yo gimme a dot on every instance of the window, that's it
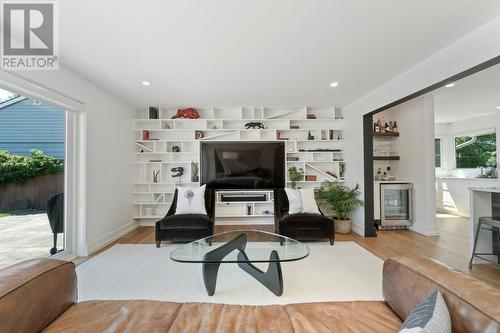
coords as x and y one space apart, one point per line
437 153
475 151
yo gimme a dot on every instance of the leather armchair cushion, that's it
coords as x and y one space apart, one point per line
34 293
304 220
185 222
116 316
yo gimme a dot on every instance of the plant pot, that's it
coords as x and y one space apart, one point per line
195 179
342 226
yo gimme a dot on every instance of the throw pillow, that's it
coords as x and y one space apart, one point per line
190 200
301 201
309 204
430 316
294 201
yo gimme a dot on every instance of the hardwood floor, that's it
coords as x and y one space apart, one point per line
451 247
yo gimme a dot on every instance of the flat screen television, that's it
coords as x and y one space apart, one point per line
242 165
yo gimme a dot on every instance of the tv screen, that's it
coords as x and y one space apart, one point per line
242 165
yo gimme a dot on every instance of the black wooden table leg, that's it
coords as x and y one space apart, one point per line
212 261
272 279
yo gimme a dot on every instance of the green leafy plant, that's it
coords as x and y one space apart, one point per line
342 199
295 175
18 169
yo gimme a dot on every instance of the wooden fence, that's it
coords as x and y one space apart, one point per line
37 190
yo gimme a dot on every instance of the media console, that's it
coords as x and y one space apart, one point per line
244 207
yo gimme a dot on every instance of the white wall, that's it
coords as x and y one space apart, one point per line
473 49
415 146
109 154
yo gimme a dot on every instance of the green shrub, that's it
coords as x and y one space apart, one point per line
18 169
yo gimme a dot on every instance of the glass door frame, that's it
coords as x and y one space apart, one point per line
75 157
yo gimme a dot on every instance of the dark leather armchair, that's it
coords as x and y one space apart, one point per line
186 227
303 226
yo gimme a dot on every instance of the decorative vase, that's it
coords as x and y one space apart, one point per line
195 179
342 226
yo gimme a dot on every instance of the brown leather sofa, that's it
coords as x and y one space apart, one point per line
41 295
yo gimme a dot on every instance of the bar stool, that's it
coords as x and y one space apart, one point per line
491 224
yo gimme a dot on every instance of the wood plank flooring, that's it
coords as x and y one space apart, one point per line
451 247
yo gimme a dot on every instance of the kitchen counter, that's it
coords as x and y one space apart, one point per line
490 189
484 201
466 178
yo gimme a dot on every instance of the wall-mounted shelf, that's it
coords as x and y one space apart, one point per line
386 158
318 157
386 135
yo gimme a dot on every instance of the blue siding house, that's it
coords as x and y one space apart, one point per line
26 124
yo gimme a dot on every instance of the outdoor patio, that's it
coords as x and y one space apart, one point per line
25 237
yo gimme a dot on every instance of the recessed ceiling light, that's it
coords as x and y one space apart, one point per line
145 83
334 84
498 107
449 85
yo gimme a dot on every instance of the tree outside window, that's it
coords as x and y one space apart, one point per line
476 151
437 156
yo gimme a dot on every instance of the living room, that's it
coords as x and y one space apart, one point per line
219 168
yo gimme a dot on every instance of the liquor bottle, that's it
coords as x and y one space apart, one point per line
387 128
376 126
395 128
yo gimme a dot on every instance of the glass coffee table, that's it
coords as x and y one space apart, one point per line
243 247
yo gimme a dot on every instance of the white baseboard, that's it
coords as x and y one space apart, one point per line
452 212
147 224
111 237
358 229
426 230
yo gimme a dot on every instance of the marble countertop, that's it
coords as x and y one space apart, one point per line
490 189
466 178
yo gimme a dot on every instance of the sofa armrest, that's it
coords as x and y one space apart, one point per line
34 293
473 305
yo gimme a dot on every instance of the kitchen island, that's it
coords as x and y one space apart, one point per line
484 201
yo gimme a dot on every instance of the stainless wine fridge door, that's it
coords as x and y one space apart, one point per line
396 204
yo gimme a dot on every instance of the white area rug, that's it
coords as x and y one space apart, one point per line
342 272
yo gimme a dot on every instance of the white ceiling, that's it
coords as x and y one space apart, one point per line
260 52
474 96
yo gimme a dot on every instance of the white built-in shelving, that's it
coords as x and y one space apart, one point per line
314 145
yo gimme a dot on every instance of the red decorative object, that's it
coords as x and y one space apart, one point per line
311 178
145 135
188 113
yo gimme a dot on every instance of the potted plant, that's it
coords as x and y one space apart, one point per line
343 200
295 175
195 169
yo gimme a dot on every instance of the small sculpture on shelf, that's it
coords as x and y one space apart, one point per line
189 113
195 169
156 173
175 149
177 172
254 125
199 135
154 112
